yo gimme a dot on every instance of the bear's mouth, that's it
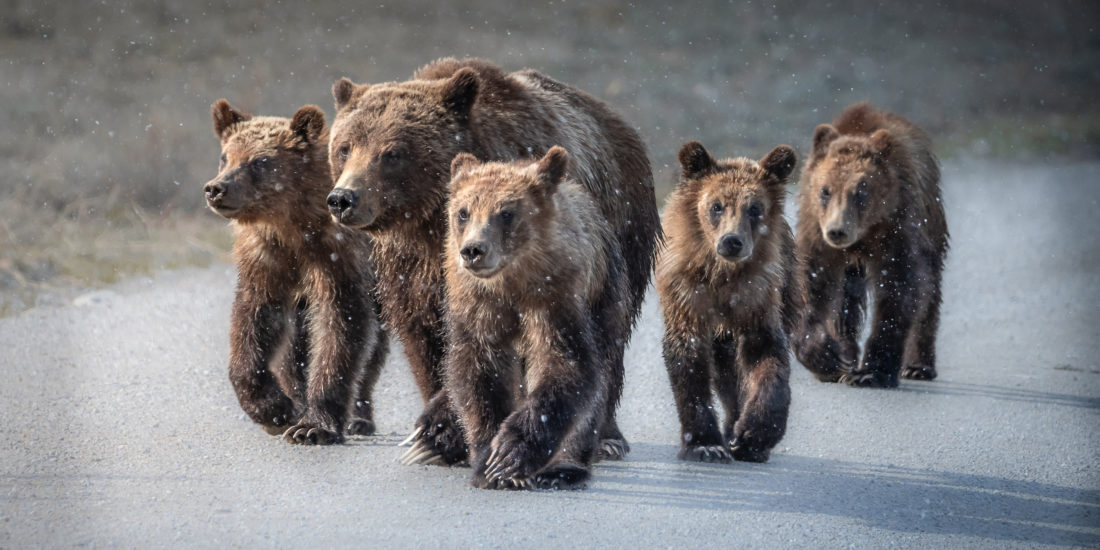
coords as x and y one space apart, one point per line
223 210
482 271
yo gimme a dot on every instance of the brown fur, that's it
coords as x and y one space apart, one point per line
534 281
391 151
306 345
725 281
870 213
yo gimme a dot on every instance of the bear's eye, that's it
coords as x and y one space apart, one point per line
861 193
260 164
463 215
506 216
716 208
755 210
391 157
343 151
825 194
222 163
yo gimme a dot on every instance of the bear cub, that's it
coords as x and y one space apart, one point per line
306 345
534 277
870 216
726 287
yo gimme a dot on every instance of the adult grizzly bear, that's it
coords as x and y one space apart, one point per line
306 345
725 278
392 145
870 213
536 294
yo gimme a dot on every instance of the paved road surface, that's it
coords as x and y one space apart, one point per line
121 428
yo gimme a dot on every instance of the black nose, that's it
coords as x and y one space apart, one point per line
730 245
342 200
837 235
472 252
214 191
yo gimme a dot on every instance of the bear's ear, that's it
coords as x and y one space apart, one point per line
460 92
463 162
780 162
308 123
342 92
824 134
882 142
695 160
551 168
225 116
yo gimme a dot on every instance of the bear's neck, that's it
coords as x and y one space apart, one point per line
411 248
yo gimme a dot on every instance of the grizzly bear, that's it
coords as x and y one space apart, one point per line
870 214
392 145
306 344
534 282
725 279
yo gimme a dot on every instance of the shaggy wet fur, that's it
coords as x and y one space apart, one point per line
871 216
535 283
390 154
306 345
726 285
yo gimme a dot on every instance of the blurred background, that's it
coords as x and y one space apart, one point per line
106 139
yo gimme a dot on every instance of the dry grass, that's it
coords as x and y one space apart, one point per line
107 137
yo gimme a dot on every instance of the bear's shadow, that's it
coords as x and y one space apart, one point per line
886 497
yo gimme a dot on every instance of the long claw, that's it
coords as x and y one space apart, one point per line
436 460
412 437
408 459
422 457
413 451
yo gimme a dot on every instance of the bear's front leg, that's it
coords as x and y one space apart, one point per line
565 373
437 437
764 371
895 307
688 357
337 328
481 378
814 345
259 332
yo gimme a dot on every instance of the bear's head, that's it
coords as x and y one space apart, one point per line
497 209
391 147
269 165
851 184
735 200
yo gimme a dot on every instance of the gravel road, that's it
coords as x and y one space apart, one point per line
123 430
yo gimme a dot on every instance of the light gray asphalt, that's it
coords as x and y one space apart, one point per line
121 428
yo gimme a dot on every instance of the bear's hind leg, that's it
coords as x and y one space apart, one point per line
361 408
920 349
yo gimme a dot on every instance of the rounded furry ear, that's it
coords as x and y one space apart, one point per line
342 90
780 162
824 134
460 92
695 160
463 162
308 122
882 142
552 167
225 116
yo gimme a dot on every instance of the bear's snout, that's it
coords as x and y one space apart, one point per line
478 259
839 236
473 253
214 192
732 247
341 200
